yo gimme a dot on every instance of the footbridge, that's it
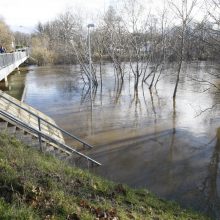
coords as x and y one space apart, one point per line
10 61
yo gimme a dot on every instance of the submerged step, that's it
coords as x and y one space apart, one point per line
3 125
37 129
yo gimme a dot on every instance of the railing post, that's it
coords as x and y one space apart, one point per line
87 163
3 58
39 134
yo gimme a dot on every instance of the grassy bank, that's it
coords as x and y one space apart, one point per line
34 186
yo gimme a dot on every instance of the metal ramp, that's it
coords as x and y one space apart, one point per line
38 130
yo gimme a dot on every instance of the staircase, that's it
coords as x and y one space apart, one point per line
37 130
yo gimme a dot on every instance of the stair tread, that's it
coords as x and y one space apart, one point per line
11 130
19 128
3 125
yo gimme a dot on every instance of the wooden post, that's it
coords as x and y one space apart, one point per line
39 135
218 134
6 81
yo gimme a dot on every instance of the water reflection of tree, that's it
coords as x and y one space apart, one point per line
118 90
145 101
153 105
136 103
210 183
84 94
173 134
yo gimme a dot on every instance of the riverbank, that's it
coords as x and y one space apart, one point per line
37 186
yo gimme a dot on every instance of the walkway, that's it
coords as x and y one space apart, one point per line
40 131
10 61
28 118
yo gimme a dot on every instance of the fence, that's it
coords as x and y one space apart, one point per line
7 59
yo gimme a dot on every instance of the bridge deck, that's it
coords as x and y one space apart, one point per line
10 61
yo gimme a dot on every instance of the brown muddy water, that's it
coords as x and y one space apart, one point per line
141 139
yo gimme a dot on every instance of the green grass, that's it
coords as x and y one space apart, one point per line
37 186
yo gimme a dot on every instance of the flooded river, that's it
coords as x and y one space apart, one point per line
141 139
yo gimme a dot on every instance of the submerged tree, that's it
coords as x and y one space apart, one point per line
133 39
133 10
183 13
115 41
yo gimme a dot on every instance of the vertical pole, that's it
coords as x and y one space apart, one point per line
90 64
39 135
87 164
6 81
90 68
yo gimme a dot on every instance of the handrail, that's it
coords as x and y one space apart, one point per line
43 135
7 59
41 119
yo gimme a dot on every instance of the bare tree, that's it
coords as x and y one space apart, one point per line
183 12
22 39
115 41
6 35
137 41
40 51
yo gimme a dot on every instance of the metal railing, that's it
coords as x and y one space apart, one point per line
40 120
7 59
38 133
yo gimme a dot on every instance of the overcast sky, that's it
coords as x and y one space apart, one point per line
25 14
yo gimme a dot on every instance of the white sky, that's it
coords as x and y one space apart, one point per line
23 15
